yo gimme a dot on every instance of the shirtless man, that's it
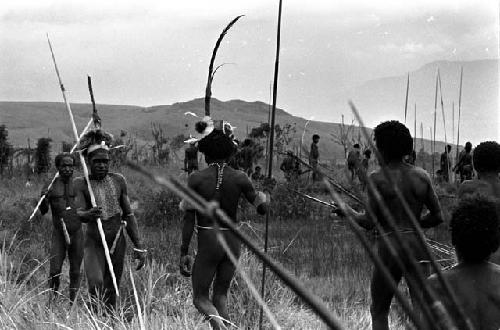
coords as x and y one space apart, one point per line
353 160
464 165
475 281
113 208
221 183
67 234
486 160
393 141
314 157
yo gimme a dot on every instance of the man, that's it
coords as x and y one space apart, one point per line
113 208
67 234
474 281
191 158
290 167
486 159
445 164
353 159
464 165
257 176
224 185
393 141
314 156
363 169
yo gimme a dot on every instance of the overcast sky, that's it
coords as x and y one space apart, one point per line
157 52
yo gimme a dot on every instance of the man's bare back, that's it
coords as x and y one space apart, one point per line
477 288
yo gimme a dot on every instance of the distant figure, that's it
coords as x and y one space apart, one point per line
314 156
486 159
411 158
363 169
245 156
474 281
353 160
290 167
67 233
191 158
257 174
445 164
464 165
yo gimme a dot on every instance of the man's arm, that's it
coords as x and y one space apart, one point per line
128 215
188 220
257 199
435 215
44 206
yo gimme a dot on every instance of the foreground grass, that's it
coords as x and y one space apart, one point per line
304 237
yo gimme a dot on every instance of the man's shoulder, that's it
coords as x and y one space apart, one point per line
79 182
117 176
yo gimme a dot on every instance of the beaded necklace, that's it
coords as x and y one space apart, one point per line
220 174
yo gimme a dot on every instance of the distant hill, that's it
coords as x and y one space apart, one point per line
377 100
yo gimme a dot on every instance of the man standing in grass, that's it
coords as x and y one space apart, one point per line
67 234
475 281
225 185
314 156
464 165
393 141
445 164
353 160
113 208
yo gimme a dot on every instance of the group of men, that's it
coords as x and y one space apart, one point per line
463 167
71 205
474 225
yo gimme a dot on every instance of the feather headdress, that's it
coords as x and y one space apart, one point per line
95 139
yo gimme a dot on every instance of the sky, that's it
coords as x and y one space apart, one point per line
157 52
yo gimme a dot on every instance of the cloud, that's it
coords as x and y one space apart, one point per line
411 48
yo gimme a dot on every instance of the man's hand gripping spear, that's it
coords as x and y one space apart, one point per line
97 123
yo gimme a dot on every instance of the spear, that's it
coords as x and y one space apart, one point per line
271 148
85 172
444 126
415 132
407 90
432 152
459 108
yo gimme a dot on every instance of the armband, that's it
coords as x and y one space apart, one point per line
140 250
260 199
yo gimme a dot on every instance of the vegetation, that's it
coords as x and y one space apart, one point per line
310 242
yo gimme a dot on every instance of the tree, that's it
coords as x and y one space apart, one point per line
5 148
344 137
42 155
160 149
284 135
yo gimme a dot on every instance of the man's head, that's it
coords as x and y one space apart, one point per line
448 148
99 162
315 138
468 146
474 229
486 157
393 140
356 146
367 153
64 164
216 146
257 169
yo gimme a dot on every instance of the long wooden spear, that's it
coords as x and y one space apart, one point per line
271 153
444 127
415 133
85 173
407 91
459 108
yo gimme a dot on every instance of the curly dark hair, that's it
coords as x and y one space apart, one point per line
315 137
486 157
216 145
61 156
393 140
474 228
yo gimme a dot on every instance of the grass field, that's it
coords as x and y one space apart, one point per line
312 244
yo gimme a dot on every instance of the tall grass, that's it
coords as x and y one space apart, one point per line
304 237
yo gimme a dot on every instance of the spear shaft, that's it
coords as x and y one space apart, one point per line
271 149
459 108
407 90
86 174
